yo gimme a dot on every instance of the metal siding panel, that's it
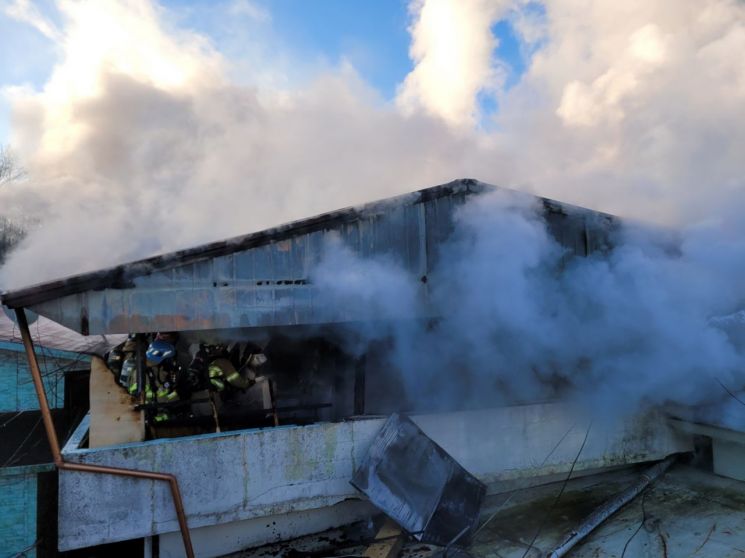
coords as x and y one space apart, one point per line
245 304
98 311
314 250
202 306
416 240
203 272
438 217
158 279
364 242
281 260
298 256
264 306
284 305
384 242
263 263
353 234
183 275
259 286
222 270
244 266
391 235
305 311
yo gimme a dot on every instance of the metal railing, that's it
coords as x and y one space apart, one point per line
61 464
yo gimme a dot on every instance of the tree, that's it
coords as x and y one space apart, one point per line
10 170
11 232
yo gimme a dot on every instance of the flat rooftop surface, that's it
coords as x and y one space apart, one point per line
688 512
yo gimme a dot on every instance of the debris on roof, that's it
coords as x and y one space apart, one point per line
687 512
419 485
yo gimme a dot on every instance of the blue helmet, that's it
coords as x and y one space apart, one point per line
159 351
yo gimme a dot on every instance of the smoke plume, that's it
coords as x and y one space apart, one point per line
514 319
145 139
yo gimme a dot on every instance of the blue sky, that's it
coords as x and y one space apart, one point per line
26 58
371 35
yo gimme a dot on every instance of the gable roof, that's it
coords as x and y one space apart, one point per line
261 279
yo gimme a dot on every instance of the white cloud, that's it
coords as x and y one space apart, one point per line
635 108
251 10
452 49
585 104
27 12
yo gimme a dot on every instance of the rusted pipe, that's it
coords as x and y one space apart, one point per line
59 461
612 506
33 364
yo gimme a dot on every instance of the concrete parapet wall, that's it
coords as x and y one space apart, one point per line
249 474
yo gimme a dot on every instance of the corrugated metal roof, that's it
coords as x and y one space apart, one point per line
262 279
54 337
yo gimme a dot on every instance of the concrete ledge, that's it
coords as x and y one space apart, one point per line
728 447
218 540
237 476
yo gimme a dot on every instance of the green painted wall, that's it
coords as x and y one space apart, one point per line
19 485
16 388
18 494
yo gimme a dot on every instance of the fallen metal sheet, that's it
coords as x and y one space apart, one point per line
416 483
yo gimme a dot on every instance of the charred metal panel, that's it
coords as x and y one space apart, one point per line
413 480
264 279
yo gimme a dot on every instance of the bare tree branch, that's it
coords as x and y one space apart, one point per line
11 232
10 170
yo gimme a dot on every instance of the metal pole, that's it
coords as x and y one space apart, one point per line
41 394
84 467
611 506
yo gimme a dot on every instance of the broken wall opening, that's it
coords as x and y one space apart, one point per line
285 376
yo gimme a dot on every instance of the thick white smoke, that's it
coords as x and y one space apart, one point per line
141 142
515 320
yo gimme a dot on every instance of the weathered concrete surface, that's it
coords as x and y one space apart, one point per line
218 540
686 513
258 473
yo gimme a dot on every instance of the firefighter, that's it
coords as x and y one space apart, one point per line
115 360
128 375
221 372
196 373
161 359
122 362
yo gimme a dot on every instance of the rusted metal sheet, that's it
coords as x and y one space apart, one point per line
419 485
263 279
